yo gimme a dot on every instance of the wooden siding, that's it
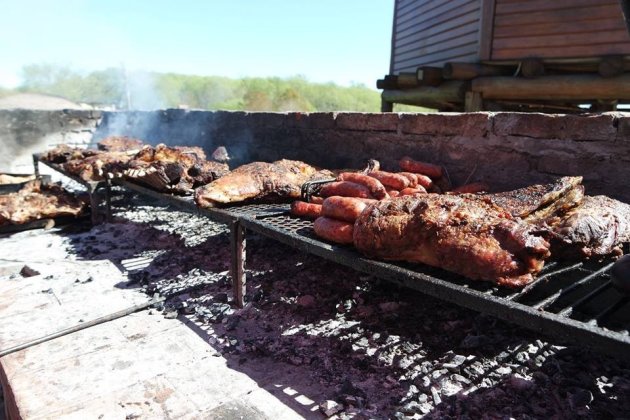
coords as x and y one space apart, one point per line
558 29
433 32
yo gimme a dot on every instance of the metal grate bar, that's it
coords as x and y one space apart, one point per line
569 310
562 292
539 281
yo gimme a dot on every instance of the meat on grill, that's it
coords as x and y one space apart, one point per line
282 179
36 201
119 144
174 169
597 227
526 201
94 167
464 234
64 153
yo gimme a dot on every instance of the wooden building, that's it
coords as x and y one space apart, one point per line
508 54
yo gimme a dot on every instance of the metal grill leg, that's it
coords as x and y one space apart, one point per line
36 166
94 201
237 267
108 201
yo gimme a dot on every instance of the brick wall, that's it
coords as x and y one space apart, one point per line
507 150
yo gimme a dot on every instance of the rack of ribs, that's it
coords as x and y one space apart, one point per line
279 180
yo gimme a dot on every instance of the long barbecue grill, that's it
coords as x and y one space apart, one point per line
574 302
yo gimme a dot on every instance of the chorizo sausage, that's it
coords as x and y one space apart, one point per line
392 180
393 193
374 185
308 210
334 230
345 189
413 178
315 199
343 208
410 165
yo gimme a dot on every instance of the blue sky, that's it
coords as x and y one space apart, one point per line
343 41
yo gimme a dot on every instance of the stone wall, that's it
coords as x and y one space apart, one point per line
506 150
24 132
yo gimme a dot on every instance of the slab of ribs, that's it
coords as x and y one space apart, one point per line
282 179
504 238
36 201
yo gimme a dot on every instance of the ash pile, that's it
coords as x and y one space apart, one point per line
345 345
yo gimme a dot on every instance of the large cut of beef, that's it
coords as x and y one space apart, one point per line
597 227
87 164
174 169
279 180
465 234
36 201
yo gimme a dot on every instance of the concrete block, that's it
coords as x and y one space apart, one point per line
368 121
597 127
472 125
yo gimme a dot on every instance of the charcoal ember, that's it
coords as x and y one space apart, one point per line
330 407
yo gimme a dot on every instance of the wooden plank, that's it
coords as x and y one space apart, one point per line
563 40
466 58
454 18
465 34
440 56
406 6
428 8
561 52
577 26
486 29
546 5
444 46
437 34
564 15
445 9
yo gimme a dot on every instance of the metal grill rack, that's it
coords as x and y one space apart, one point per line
93 187
573 302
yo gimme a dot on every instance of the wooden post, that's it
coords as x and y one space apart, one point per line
611 66
582 87
448 92
469 71
429 76
473 102
237 262
532 67
386 106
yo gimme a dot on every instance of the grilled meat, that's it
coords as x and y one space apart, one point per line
15 179
94 167
597 227
174 169
259 180
36 201
64 153
119 144
526 201
464 234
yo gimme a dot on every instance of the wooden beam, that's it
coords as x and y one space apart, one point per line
469 71
448 92
473 102
582 87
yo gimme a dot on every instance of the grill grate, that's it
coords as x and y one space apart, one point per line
571 301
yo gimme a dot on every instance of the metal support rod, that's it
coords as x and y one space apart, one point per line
82 326
237 263
93 203
36 165
108 200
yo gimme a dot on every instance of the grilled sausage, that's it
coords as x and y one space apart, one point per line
410 165
374 185
413 178
393 193
334 230
471 188
413 191
345 189
392 180
308 210
343 208
315 199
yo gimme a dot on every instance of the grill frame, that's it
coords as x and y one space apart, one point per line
275 222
